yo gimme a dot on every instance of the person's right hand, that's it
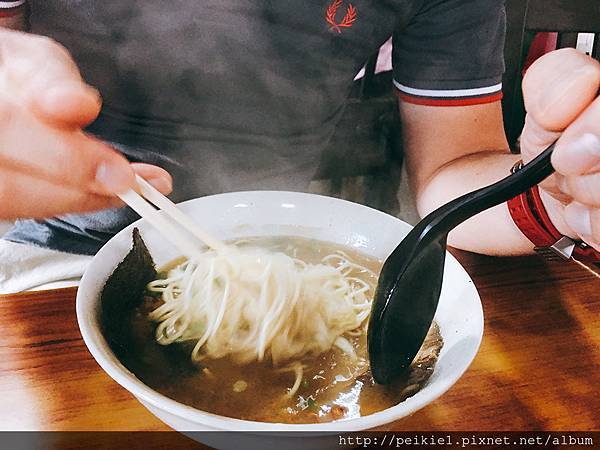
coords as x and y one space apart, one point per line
561 97
48 165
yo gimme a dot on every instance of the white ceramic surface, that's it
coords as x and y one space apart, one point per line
243 214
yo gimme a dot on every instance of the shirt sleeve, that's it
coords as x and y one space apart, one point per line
10 4
11 8
451 53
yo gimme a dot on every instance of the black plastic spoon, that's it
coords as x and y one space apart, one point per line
410 282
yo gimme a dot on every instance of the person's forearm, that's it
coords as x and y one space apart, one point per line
492 232
454 150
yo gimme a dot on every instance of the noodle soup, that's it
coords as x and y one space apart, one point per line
317 387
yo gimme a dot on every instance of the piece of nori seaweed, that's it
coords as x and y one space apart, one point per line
123 293
133 341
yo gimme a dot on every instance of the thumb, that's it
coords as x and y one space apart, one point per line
556 89
559 86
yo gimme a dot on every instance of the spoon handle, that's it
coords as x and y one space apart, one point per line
457 211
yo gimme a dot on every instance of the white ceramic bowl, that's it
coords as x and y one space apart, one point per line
264 213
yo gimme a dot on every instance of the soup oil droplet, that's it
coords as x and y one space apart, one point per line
240 386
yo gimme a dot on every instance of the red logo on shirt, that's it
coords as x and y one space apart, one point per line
346 22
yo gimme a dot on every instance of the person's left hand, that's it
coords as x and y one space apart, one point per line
560 91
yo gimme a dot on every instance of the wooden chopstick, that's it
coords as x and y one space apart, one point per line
159 221
171 209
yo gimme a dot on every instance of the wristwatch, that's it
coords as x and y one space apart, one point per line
530 216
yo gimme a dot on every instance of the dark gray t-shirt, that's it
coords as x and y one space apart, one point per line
237 94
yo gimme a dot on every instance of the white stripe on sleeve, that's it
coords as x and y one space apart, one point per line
451 93
8 5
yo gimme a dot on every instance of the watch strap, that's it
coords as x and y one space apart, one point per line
530 216
524 217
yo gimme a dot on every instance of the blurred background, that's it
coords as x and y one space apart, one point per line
363 162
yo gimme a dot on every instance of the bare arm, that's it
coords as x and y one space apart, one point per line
454 150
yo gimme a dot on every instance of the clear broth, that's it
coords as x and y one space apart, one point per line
333 387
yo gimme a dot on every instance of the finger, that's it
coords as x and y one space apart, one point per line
583 188
578 150
72 104
39 73
156 176
71 158
23 196
554 189
535 138
559 86
584 221
595 238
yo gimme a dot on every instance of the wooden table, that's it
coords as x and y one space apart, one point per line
538 367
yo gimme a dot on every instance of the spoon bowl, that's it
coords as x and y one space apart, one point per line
422 274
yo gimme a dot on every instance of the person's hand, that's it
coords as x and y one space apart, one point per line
48 165
561 97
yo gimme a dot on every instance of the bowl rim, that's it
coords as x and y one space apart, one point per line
119 373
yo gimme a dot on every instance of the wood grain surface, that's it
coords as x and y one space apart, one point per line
538 367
